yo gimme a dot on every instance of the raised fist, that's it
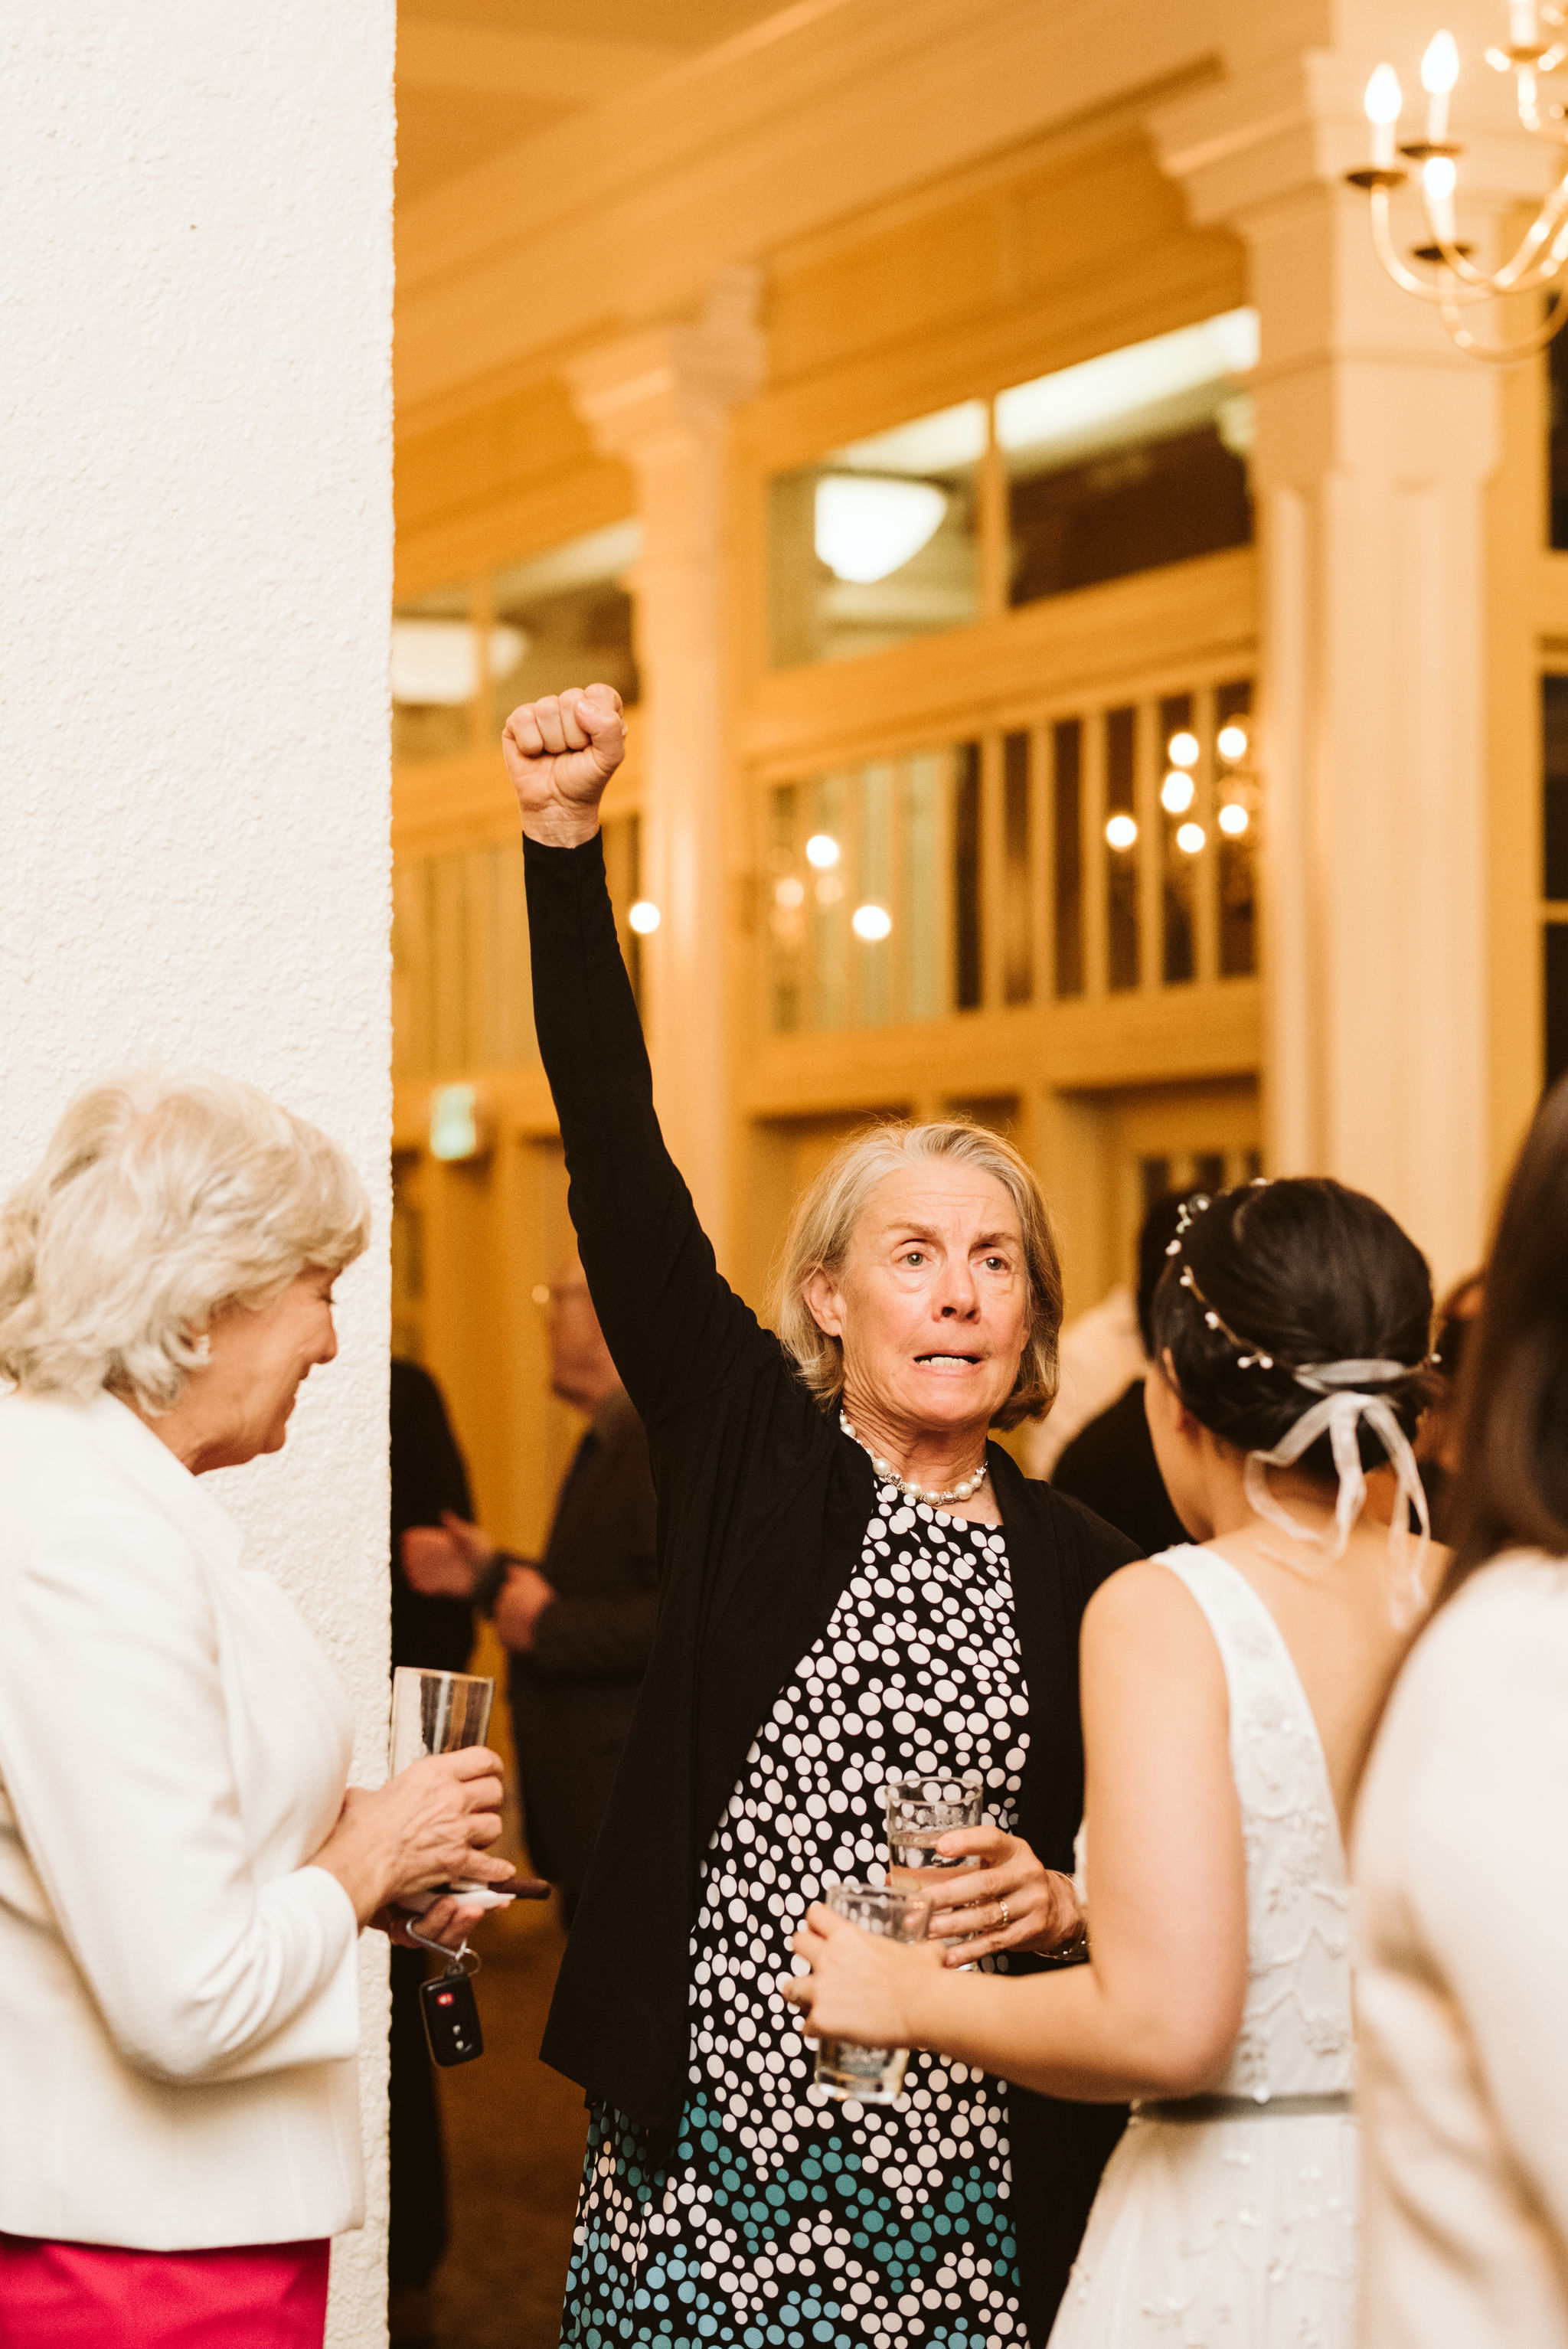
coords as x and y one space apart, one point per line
561 752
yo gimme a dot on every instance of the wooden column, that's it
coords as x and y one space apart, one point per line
661 400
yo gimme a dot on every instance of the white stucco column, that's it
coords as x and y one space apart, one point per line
194 805
661 400
1375 441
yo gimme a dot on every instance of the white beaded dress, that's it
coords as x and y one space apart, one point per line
1238 2231
776 2218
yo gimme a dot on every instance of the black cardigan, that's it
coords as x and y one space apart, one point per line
763 1507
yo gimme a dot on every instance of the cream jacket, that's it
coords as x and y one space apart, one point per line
179 2014
1461 1872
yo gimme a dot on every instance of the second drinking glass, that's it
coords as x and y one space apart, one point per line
920 1810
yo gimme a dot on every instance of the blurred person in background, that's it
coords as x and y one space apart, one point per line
1437 1445
428 1479
579 1622
1112 1466
1461 1849
184 1868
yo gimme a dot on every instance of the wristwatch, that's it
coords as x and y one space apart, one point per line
490 1579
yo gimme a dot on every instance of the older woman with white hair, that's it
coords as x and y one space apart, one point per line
184 1869
855 1584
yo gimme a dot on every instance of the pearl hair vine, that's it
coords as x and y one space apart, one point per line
1341 1404
1186 1216
1319 1378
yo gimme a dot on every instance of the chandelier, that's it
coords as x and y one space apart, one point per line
1449 279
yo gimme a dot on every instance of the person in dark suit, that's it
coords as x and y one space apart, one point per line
580 1622
436 1633
1110 1465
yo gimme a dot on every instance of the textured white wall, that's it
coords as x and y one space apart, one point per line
195 518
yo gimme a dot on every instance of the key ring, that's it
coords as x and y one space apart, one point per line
454 1958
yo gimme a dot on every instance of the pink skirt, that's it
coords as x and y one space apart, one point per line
71 2295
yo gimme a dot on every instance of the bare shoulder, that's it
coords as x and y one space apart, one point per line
1145 1614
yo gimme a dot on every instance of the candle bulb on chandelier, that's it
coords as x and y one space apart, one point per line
1384 103
1439 72
1521 26
1438 179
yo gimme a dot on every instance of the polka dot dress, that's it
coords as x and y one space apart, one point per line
776 2218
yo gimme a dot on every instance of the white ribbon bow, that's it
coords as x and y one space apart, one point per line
1339 1414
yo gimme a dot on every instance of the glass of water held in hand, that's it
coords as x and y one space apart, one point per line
436 1712
872 2076
921 1810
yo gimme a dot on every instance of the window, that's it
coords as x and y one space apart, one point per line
462 993
1557 440
872 877
1067 751
434 676
956 879
1123 463
1131 460
464 656
564 618
879 542
1554 870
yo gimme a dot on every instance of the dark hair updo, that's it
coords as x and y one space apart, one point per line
1283 1275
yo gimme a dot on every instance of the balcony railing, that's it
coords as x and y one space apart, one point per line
1094 853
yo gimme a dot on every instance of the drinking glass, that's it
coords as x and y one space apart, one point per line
872 2076
920 1810
437 1712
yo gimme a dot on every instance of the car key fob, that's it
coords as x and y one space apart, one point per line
451 2019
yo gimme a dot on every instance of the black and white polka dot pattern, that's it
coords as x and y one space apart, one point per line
779 2218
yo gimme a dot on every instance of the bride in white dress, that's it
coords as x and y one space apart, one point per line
1229 1693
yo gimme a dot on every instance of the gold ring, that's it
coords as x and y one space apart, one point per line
1006 1920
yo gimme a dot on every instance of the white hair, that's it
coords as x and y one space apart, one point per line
159 1199
824 1224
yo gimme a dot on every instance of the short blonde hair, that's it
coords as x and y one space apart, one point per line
824 1224
159 1199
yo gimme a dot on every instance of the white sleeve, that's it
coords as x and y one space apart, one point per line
1487 1865
115 1748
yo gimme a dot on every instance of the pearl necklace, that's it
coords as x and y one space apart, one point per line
964 1490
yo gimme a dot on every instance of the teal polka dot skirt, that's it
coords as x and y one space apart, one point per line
774 2218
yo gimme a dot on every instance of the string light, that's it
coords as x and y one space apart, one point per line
643 917
1190 838
1182 749
1176 792
1121 832
822 851
870 922
1232 819
1232 743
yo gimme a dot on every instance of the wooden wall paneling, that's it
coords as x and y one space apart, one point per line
1191 617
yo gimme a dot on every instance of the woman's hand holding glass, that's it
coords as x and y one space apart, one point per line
862 1987
1010 1902
430 1824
